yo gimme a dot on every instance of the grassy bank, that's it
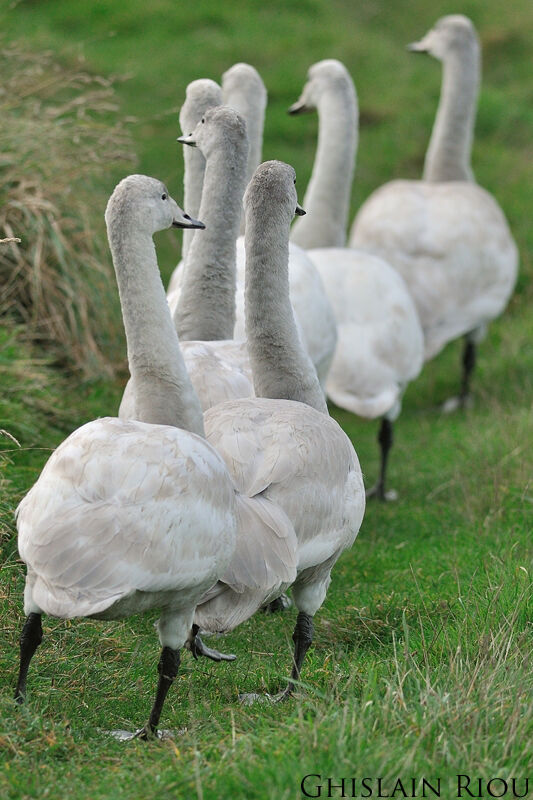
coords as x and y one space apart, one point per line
420 664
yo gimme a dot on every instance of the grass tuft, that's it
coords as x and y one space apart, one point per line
60 134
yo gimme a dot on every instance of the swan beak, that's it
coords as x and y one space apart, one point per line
299 210
185 221
299 108
417 47
187 140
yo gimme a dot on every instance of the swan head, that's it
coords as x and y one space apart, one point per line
242 86
450 35
143 205
271 193
220 128
323 78
199 96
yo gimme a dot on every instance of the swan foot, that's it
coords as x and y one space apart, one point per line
453 404
198 648
378 492
281 603
251 698
144 734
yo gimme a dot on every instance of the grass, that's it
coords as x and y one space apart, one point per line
422 658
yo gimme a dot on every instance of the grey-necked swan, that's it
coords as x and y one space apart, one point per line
380 341
445 234
129 515
281 446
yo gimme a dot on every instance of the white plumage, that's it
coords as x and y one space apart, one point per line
452 245
127 516
380 342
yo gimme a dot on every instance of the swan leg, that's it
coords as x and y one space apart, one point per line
281 603
468 362
385 439
302 638
168 669
30 639
198 648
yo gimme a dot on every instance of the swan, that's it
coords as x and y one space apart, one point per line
129 515
204 303
380 340
281 446
446 235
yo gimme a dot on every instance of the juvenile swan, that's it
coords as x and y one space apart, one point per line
445 234
132 515
380 341
287 451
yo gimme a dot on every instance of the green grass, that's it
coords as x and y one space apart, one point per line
422 659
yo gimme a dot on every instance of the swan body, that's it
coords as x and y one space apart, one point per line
124 517
281 446
302 462
445 234
380 343
452 245
132 514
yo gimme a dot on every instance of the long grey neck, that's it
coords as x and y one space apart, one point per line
254 114
327 199
280 366
162 389
193 171
193 179
448 157
206 307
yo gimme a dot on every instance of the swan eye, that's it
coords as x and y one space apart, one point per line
163 196
203 120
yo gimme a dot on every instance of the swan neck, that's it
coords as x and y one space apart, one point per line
281 367
450 148
206 307
163 393
253 111
327 199
193 180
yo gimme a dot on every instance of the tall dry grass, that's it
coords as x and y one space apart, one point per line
61 135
